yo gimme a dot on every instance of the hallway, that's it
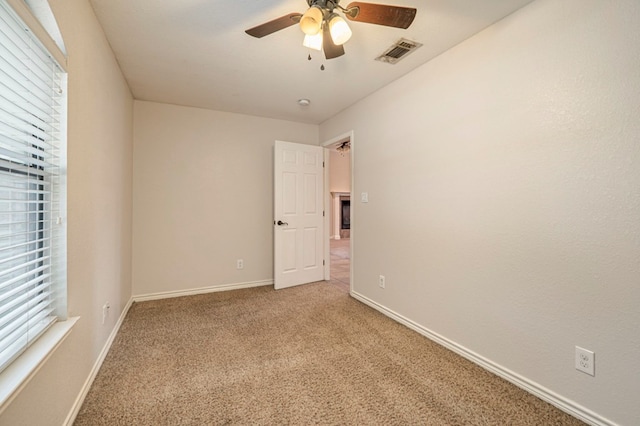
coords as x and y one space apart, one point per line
340 263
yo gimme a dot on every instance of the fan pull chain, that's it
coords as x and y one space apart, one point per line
309 58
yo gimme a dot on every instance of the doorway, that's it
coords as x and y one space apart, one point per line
338 188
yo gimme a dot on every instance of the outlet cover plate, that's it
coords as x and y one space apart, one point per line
585 361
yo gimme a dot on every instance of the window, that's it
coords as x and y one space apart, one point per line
32 187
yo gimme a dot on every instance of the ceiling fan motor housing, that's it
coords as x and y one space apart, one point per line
325 4
329 5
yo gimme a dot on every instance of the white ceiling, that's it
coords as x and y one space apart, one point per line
196 53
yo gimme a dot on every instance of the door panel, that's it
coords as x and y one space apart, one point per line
310 194
310 254
289 250
289 193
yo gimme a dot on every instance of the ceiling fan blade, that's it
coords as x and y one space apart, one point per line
381 14
275 25
331 50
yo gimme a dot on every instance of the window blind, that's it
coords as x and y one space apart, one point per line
32 107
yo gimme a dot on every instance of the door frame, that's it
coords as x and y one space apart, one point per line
328 204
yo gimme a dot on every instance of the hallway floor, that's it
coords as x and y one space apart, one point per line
340 263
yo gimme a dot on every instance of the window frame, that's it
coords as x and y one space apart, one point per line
25 364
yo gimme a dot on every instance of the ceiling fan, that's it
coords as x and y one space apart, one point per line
325 30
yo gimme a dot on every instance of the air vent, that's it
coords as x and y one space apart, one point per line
398 51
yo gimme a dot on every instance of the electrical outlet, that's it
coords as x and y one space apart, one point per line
381 281
585 361
105 312
239 264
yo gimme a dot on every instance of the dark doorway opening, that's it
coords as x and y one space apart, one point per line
345 214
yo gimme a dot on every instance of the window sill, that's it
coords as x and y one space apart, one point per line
17 375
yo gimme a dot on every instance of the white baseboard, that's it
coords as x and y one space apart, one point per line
536 389
201 290
75 408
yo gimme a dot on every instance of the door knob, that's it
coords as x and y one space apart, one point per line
280 223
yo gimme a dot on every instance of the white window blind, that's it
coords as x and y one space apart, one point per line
32 245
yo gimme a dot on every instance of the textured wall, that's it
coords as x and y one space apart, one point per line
203 185
503 181
100 148
340 172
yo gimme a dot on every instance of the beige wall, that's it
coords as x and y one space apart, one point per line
203 185
99 215
504 211
339 172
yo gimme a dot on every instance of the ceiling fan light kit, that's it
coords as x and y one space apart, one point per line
339 30
311 21
344 147
325 29
313 41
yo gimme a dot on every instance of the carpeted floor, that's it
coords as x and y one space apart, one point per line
305 355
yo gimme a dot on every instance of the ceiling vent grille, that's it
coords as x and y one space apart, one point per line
398 51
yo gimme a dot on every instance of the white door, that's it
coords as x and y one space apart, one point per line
298 214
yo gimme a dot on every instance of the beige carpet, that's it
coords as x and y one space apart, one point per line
306 355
